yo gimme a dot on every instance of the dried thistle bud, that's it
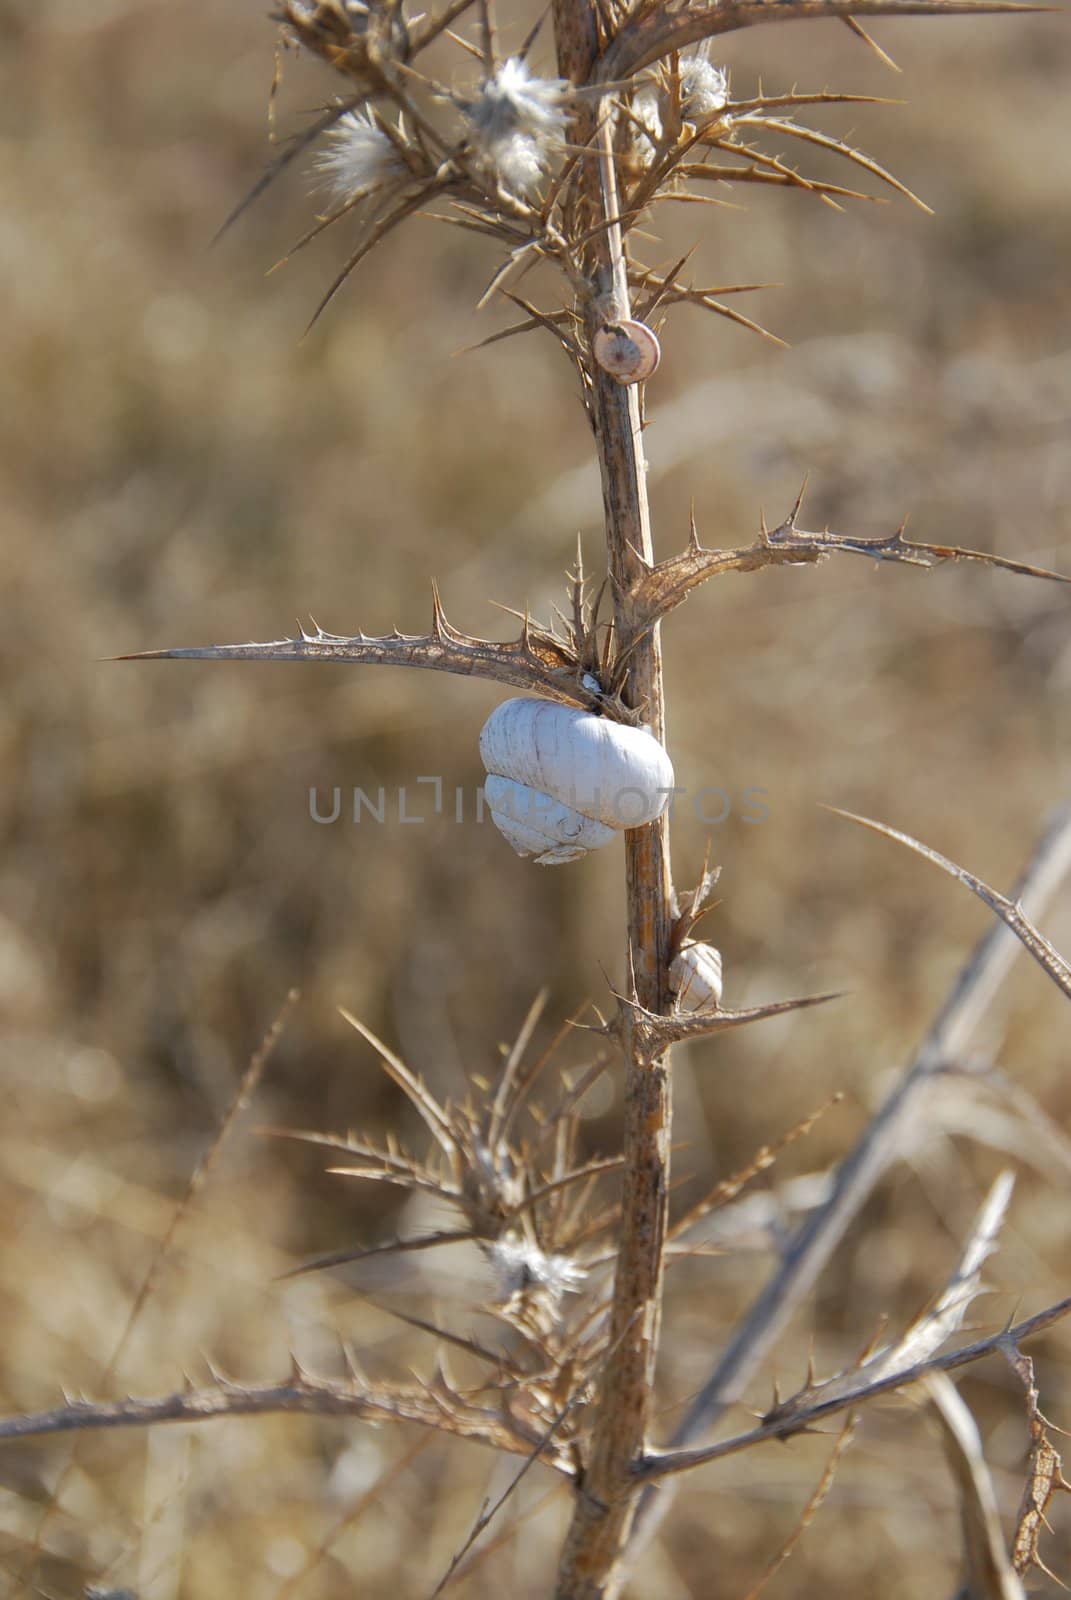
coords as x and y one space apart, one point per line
358 158
628 350
517 123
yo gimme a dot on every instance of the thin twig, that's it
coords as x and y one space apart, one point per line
664 1464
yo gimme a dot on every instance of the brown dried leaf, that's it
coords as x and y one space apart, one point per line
1045 1476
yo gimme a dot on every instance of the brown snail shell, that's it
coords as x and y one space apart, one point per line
628 350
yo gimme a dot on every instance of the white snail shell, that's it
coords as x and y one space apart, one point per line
628 350
563 782
538 825
695 977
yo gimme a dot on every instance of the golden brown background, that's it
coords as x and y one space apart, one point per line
178 465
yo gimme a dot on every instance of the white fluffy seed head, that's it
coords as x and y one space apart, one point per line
518 122
645 128
520 1265
358 157
704 87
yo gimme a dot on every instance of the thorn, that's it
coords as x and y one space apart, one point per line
693 531
353 1368
1013 1317
861 33
218 1378
794 513
438 616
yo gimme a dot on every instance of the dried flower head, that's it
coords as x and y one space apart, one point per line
358 158
518 122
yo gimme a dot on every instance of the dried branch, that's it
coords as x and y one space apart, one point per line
990 1574
441 1407
658 1466
434 1405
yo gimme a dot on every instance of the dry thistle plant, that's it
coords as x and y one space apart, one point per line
567 166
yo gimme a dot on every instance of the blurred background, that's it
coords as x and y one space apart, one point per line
179 465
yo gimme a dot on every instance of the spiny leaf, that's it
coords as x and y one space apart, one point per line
661 588
1009 911
341 1258
651 1035
658 29
538 661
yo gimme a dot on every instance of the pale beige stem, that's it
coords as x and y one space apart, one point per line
607 1498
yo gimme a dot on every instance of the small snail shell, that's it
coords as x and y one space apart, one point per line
695 977
562 781
629 351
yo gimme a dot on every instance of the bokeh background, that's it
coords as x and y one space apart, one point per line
178 464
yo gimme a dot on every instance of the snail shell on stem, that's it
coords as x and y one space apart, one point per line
695 977
563 782
628 350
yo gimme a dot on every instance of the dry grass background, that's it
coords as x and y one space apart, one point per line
178 466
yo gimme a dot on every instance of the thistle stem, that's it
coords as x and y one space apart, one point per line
592 1560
